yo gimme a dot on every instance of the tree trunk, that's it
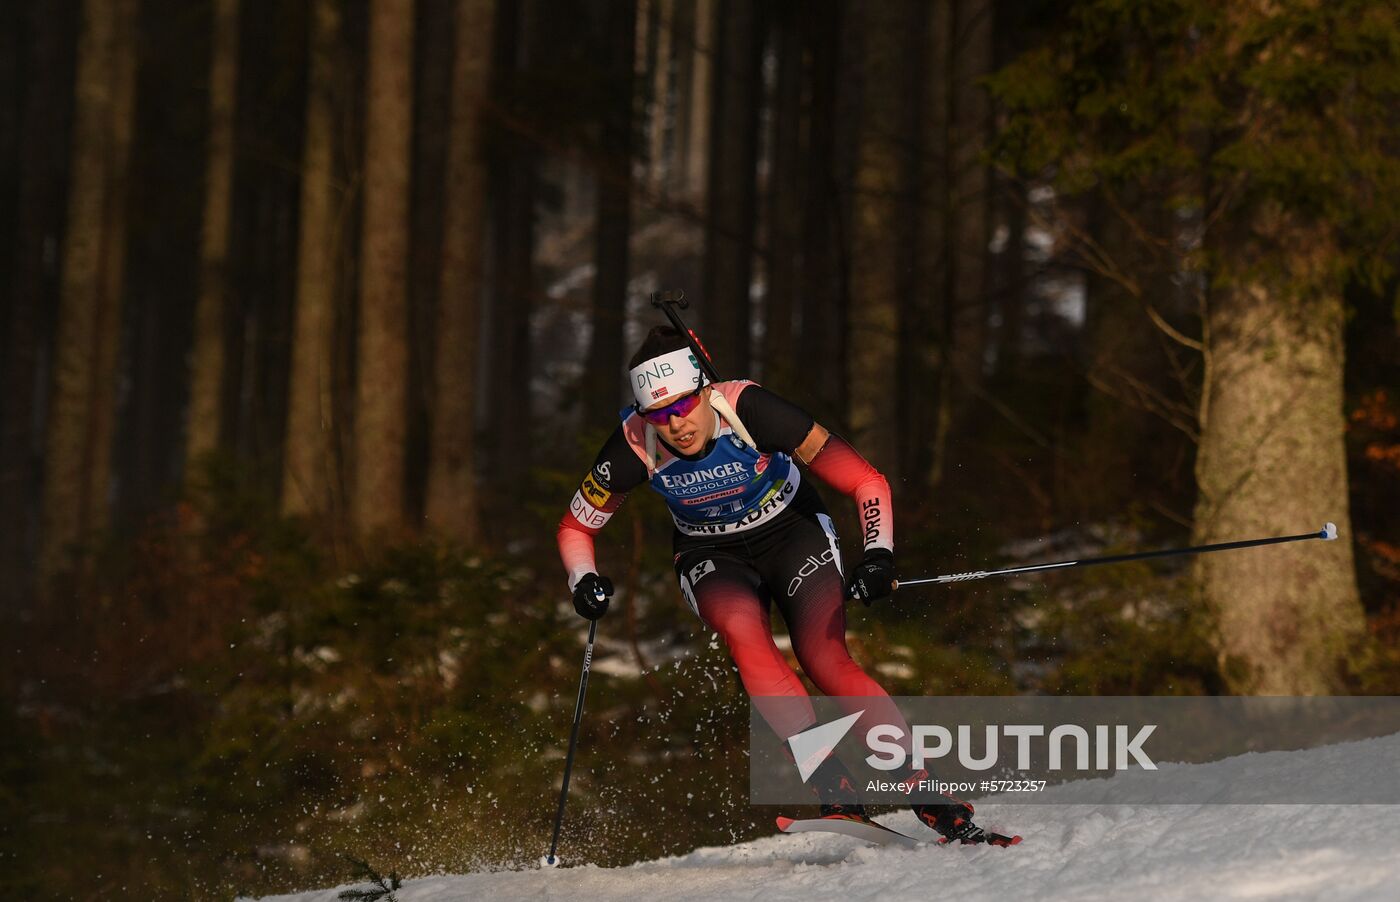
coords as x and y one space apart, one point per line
729 229
168 203
514 162
821 292
951 305
79 430
207 362
309 464
658 164
970 121
1009 279
452 506
642 31
702 84
604 383
432 99
928 343
683 52
878 233
511 401
1272 462
381 389
263 267
785 199
12 33
44 126
103 414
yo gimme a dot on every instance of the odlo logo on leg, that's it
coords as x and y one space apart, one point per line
810 566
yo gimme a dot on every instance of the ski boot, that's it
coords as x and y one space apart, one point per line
836 792
953 823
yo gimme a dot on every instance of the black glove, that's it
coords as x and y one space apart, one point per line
874 578
591 596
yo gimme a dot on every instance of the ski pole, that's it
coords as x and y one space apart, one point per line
573 739
1328 532
667 302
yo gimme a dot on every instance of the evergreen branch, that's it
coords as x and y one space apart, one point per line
382 889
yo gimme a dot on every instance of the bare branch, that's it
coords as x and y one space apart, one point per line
1147 399
1169 331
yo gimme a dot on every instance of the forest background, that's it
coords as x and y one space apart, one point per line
314 313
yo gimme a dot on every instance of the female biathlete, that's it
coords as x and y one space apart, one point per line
750 530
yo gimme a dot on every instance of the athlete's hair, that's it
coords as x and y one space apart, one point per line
660 340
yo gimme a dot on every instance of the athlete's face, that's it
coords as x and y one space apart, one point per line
689 433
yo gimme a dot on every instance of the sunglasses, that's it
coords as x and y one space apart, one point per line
680 407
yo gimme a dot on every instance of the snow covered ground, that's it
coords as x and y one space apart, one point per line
1076 852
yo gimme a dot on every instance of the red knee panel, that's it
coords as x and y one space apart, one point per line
733 609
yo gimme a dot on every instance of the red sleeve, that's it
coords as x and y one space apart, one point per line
841 467
616 471
575 549
591 507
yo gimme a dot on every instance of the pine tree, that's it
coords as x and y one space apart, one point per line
879 228
308 459
83 400
733 191
1272 127
452 501
207 359
381 888
381 389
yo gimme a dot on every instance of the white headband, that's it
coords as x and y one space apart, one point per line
673 373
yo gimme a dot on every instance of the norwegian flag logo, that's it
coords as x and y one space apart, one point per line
663 390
